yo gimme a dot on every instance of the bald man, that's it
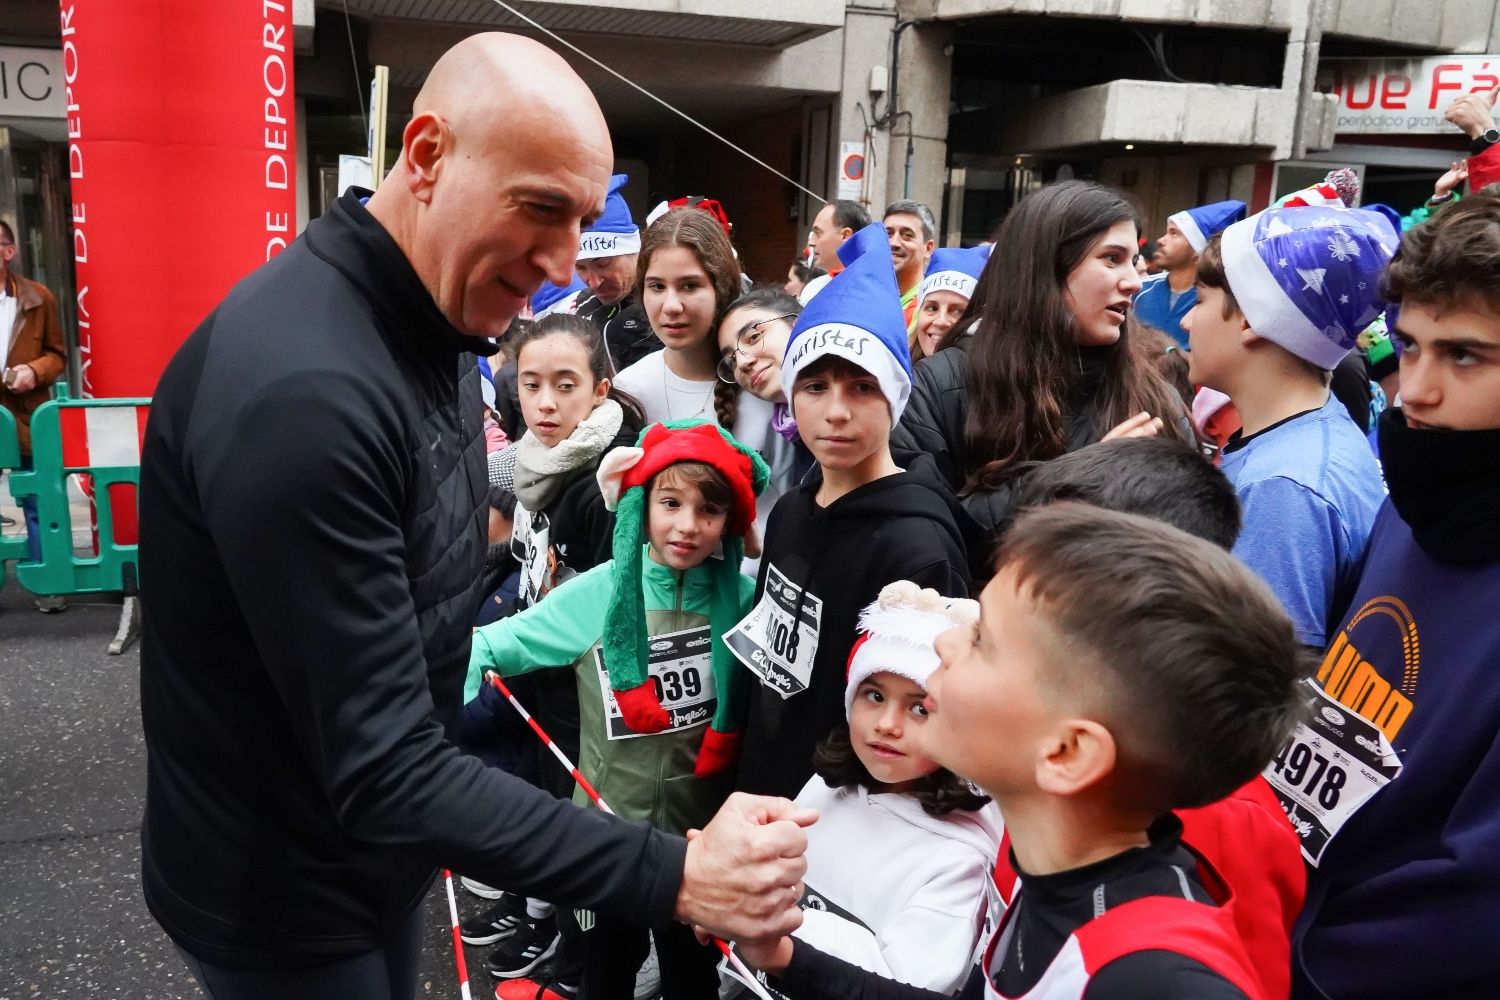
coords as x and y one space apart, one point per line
312 545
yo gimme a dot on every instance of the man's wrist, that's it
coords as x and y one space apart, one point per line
1483 139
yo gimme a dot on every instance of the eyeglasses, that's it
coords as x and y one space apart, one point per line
749 344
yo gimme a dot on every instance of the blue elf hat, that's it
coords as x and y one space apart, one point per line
1307 278
857 317
954 270
550 295
614 233
1200 224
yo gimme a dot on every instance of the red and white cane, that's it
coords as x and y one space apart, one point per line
739 967
458 944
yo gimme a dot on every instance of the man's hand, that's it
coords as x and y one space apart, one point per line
742 880
22 379
1474 113
1456 175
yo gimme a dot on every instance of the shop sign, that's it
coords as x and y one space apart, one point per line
31 82
1404 96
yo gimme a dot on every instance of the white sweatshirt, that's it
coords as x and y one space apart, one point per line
894 890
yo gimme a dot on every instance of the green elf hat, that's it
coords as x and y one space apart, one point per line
623 476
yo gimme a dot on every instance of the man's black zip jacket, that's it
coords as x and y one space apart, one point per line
312 544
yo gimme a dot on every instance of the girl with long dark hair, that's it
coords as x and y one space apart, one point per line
1050 367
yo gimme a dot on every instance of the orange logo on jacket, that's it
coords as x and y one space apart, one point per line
1356 683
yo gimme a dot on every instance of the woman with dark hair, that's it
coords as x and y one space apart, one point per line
752 339
1051 367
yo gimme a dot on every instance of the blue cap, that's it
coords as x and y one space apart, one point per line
614 233
954 270
1200 224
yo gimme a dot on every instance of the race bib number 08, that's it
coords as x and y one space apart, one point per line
681 671
778 640
1330 767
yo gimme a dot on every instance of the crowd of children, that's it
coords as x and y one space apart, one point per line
1207 731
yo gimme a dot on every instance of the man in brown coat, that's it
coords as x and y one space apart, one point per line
35 358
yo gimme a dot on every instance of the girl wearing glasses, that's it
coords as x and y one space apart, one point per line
752 340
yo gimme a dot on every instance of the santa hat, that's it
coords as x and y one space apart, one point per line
897 633
952 269
698 201
857 318
1306 278
614 233
1322 194
550 296
623 476
1200 224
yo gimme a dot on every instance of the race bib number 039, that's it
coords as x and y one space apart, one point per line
681 671
778 640
1332 765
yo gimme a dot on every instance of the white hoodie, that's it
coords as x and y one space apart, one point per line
894 890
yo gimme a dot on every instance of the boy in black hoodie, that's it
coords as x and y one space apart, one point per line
857 522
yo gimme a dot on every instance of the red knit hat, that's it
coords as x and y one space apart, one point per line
662 446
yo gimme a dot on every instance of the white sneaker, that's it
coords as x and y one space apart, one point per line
480 889
648 980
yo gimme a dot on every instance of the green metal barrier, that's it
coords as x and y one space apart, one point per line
12 546
100 439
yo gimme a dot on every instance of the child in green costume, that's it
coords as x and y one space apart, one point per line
661 700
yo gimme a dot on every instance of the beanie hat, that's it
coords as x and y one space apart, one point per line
1344 180
550 295
614 233
897 632
857 318
954 270
1306 278
623 476
1320 194
1200 224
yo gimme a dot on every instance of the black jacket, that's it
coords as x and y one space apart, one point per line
627 333
901 527
312 539
933 422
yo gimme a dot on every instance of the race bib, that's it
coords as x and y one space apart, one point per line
1332 765
779 639
680 667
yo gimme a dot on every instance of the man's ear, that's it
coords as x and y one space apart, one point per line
424 143
1080 754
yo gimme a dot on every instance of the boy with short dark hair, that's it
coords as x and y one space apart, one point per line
857 522
1135 670
1404 847
1282 297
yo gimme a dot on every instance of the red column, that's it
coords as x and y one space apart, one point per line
180 117
181 126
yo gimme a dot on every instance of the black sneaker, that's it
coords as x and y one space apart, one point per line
496 923
530 946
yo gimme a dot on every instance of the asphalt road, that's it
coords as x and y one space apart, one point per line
73 923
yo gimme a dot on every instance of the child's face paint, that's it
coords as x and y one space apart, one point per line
1450 367
887 710
683 528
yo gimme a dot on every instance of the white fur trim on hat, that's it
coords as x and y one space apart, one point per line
947 281
1188 227
592 246
611 473
1268 309
859 347
902 624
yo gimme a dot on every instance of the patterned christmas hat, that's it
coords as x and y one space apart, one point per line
624 476
1199 225
1306 278
897 631
858 318
614 233
953 269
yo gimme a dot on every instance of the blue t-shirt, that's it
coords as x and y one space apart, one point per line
1157 305
1309 490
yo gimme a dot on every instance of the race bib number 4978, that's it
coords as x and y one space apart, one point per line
778 640
1330 767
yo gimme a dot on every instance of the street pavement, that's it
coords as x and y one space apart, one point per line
73 923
